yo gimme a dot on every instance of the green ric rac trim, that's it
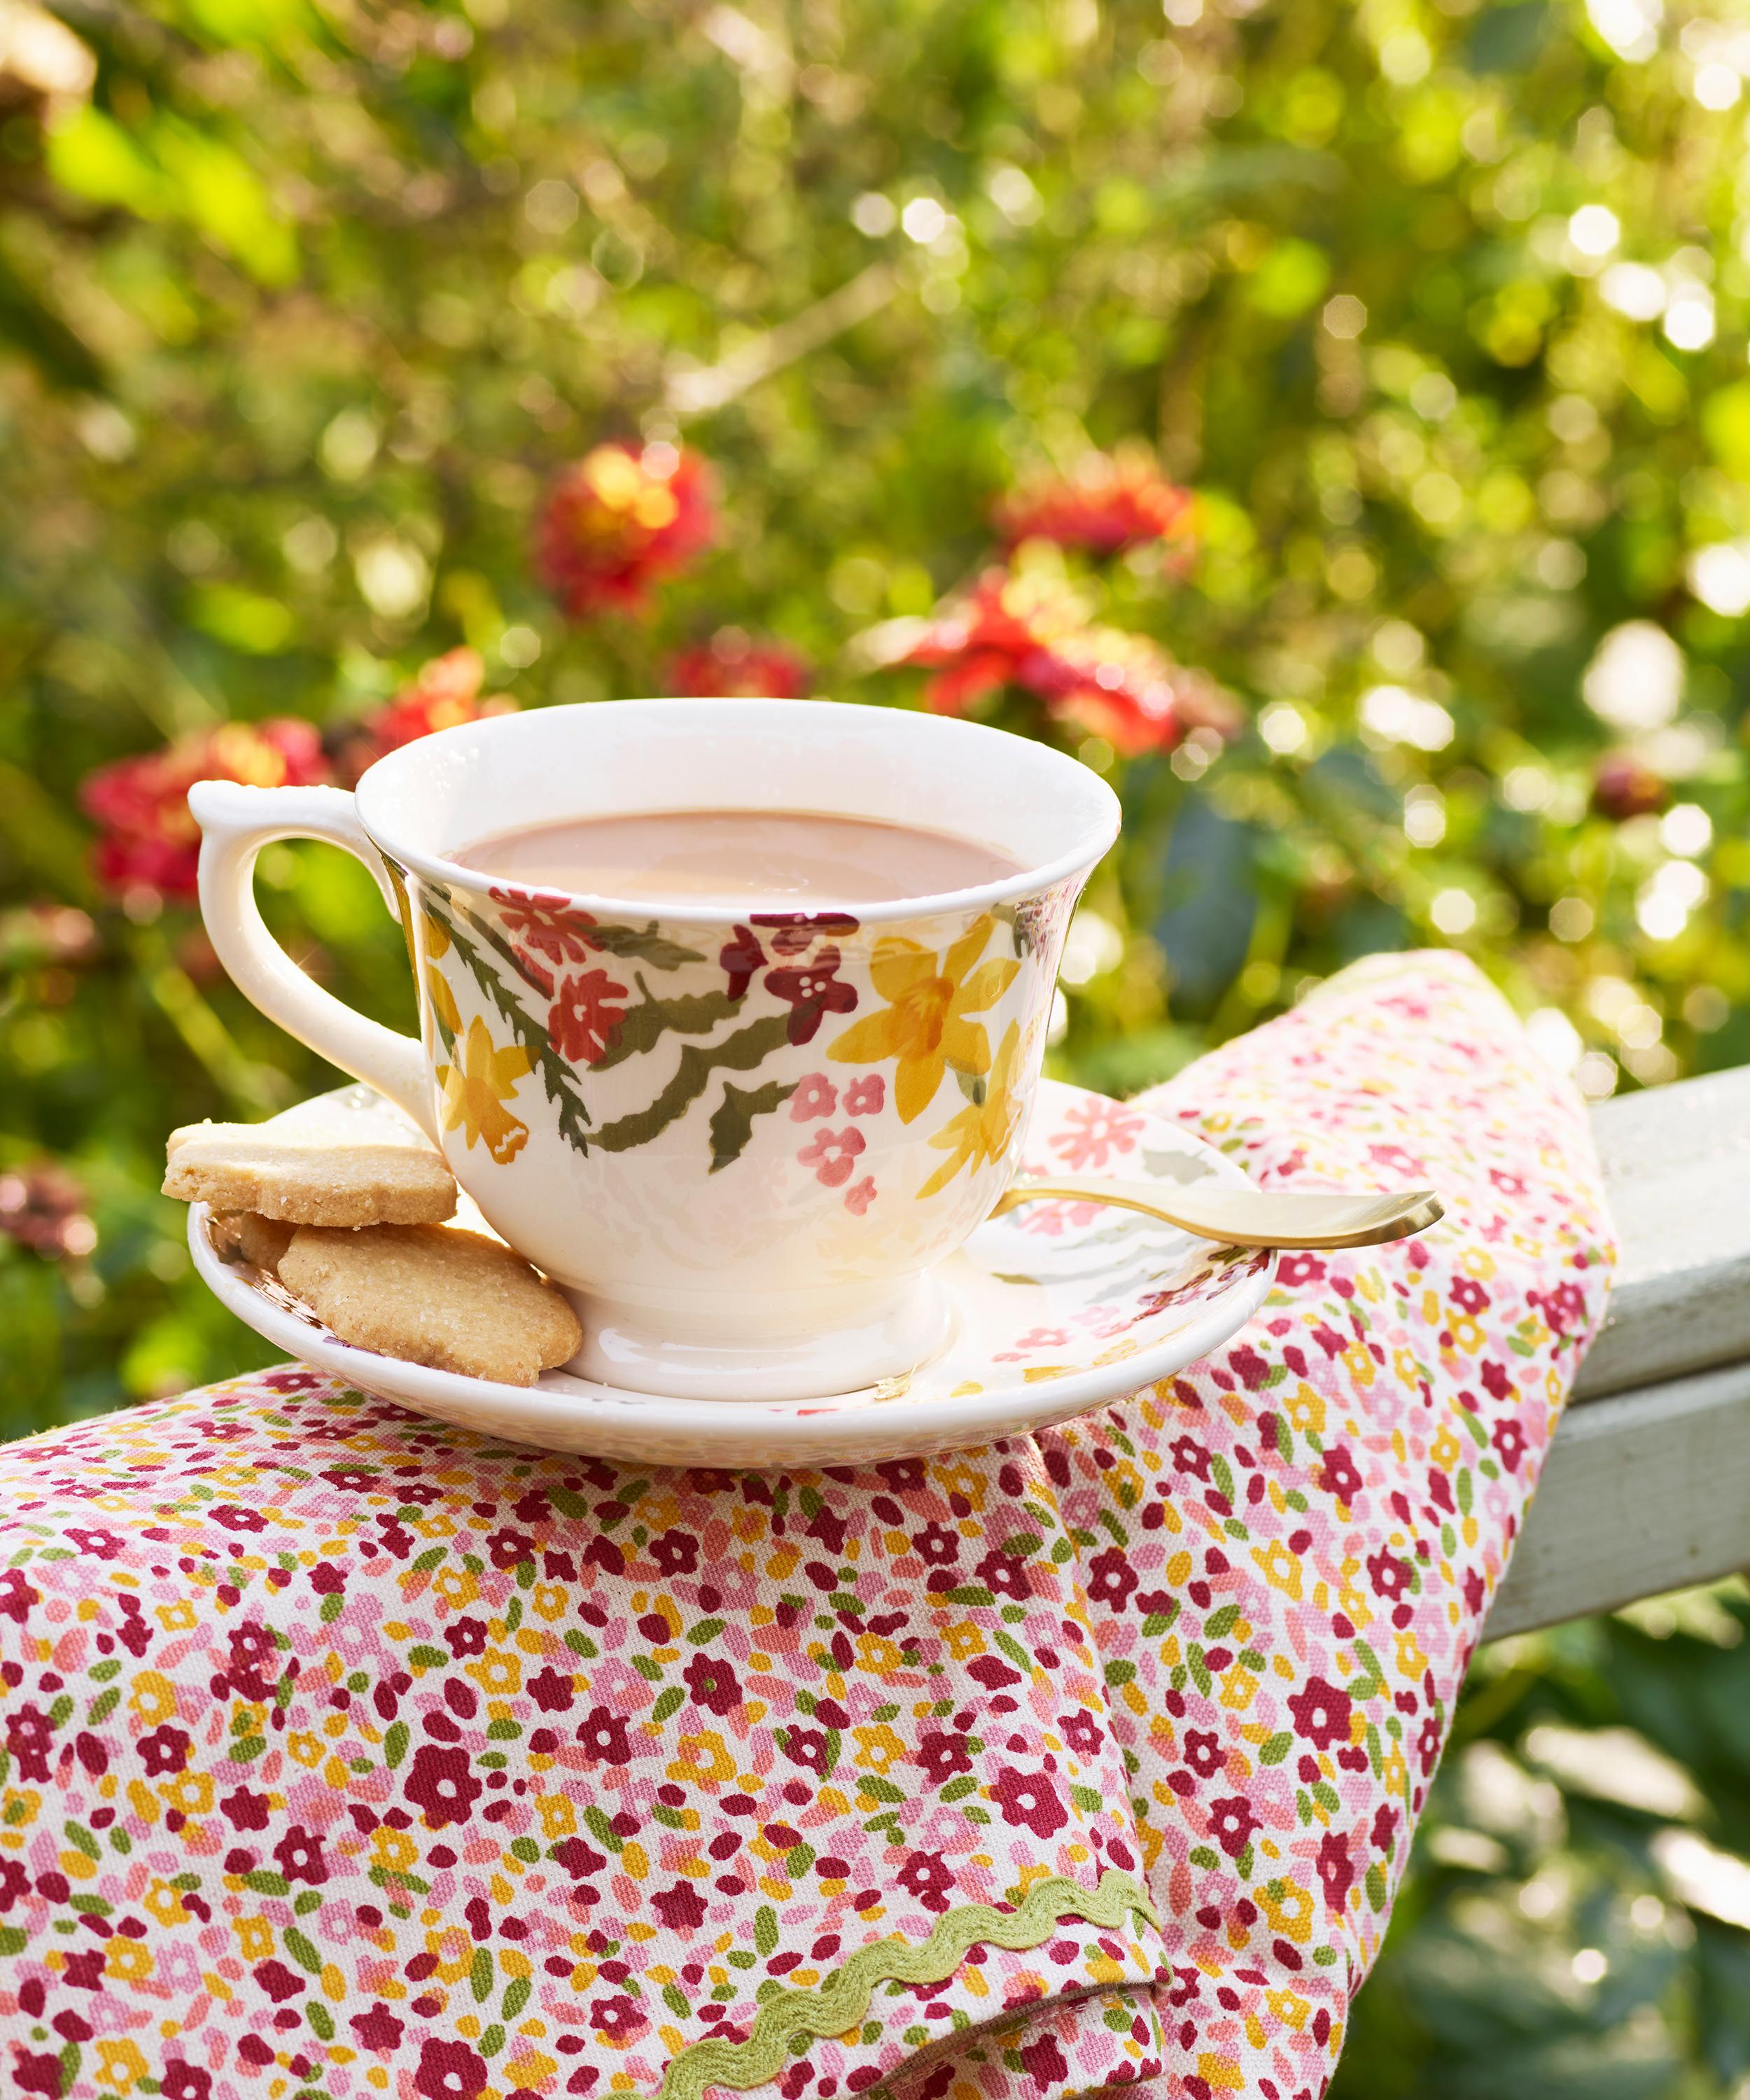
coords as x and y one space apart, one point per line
844 2001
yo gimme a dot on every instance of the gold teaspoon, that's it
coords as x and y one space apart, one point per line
1245 1217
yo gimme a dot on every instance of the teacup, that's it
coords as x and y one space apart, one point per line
744 1142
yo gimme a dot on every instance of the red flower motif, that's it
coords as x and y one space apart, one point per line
378 2028
585 1015
148 839
444 692
551 1690
928 1876
675 1553
832 1153
300 1855
617 521
1508 1439
936 1545
1232 1823
548 922
867 1096
740 960
858 1200
603 1735
732 666
712 1682
1340 1475
942 1753
1336 1870
1082 1732
810 991
1322 1713
449 2071
1106 506
682 1908
806 1747
1032 629
618 2019
1204 1753
442 1782
164 1749
1111 1579
1030 1800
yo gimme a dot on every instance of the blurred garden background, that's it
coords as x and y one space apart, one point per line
1328 418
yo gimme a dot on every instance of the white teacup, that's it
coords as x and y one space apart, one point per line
741 1141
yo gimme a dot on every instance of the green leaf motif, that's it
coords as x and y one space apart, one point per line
395 1745
732 1120
741 1052
643 944
641 1027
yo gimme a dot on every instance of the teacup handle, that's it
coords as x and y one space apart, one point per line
236 823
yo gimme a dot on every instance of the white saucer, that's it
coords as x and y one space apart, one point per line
1061 1306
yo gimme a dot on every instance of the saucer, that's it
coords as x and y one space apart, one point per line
1059 1306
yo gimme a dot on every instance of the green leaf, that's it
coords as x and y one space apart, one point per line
480 1975
765 1928
394 1744
671 1702
740 1053
1274 1747
300 1950
423 1657
643 944
732 1120
264 1881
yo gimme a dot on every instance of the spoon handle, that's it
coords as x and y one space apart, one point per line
1245 1217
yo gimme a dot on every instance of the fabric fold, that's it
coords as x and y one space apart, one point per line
348 1748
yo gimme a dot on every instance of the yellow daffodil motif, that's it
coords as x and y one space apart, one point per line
925 1024
980 1133
477 1085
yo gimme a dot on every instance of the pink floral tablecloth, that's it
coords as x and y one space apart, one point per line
346 1752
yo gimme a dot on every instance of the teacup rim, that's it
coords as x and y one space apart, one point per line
1098 839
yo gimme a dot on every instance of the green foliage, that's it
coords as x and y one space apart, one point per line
1438 309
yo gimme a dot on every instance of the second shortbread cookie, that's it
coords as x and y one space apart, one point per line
434 1294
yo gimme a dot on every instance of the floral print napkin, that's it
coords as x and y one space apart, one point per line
346 1752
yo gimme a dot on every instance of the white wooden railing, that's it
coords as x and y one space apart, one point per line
1647 1485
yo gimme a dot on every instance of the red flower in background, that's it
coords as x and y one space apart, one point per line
148 839
1624 786
1106 505
41 1208
733 666
1032 629
444 692
619 519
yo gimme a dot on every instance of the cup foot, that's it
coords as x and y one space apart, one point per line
631 1348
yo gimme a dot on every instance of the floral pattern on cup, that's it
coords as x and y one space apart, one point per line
563 999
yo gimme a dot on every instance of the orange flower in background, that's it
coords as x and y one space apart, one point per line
444 692
1106 504
1031 628
732 665
619 520
148 839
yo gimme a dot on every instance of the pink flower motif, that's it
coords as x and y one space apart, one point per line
1096 1129
815 1096
858 1199
867 1096
1051 1220
832 1153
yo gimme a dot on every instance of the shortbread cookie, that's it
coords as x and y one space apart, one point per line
309 1173
259 1240
434 1294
